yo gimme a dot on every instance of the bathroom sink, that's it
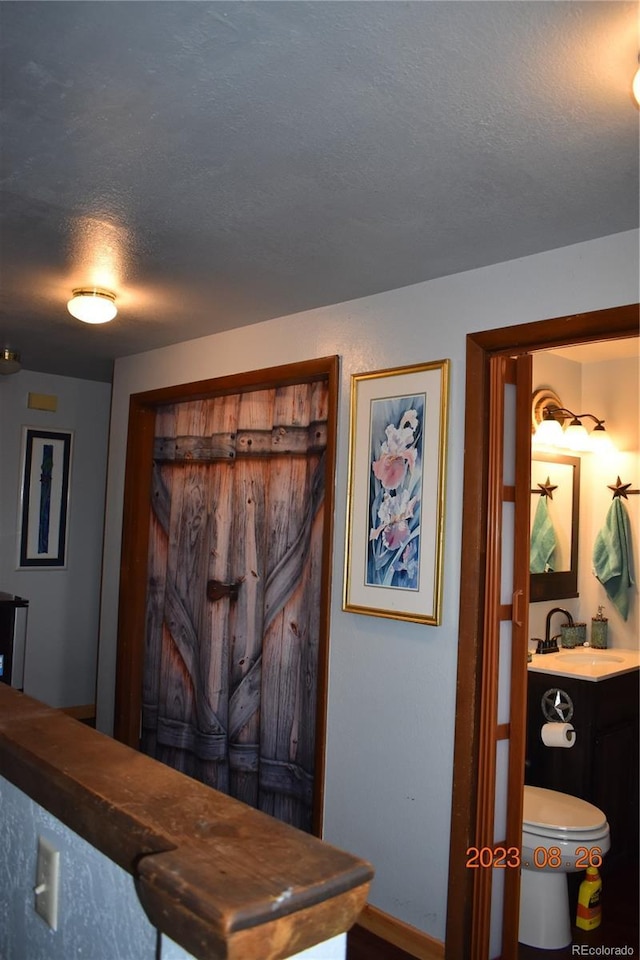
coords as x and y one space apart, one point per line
590 658
585 663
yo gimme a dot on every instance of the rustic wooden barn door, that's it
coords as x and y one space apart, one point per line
230 672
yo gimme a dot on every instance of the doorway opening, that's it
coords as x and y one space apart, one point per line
470 891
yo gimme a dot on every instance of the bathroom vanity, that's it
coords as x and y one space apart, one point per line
597 692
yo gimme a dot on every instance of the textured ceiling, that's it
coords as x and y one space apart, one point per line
217 164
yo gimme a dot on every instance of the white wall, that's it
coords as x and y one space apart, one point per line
62 640
99 914
611 390
392 687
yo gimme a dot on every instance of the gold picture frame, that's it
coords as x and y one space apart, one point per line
395 492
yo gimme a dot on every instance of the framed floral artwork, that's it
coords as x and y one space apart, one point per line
395 499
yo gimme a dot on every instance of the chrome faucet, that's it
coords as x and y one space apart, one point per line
549 645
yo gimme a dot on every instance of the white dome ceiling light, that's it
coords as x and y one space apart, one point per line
9 361
92 305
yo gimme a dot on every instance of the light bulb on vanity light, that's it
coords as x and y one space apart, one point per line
92 305
636 84
576 437
549 432
600 441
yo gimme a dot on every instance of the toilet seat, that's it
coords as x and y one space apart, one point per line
548 813
571 836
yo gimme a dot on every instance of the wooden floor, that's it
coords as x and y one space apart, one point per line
619 927
363 945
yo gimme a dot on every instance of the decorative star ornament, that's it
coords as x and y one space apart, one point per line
557 705
620 489
546 489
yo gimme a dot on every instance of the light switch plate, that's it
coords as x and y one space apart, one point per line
47 881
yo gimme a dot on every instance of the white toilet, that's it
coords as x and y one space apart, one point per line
560 835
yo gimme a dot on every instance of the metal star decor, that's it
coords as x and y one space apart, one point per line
557 705
546 489
621 489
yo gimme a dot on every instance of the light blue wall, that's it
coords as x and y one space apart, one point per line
62 641
100 916
391 710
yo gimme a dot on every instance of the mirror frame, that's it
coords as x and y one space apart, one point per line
560 584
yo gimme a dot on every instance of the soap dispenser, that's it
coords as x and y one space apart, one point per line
599 627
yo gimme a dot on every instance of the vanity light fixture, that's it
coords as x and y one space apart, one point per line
636 84
550 432
92 305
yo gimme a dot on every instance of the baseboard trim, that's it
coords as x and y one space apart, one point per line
400 934
85 712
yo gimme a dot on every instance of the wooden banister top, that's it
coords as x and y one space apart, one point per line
220 878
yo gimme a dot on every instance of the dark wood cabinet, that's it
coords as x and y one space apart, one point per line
602 766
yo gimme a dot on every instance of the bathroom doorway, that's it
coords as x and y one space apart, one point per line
470 891
599 768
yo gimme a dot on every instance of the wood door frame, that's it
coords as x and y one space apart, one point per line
135 538
610 324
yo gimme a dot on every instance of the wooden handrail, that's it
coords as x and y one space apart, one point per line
221 879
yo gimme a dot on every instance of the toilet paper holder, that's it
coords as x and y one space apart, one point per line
555 734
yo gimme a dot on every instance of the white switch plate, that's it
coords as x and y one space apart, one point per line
47 880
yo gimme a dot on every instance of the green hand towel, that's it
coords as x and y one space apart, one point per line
543 540
612 557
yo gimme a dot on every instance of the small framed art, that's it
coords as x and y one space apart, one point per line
44 497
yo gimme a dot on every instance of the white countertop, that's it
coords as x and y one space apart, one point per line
586 663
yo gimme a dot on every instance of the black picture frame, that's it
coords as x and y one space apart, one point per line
44 498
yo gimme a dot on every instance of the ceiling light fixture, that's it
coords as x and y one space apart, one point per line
92 305
9 361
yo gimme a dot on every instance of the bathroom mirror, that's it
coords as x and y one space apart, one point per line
556 479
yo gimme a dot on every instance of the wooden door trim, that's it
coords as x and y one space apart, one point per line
135 538
519 643
609 324
486 785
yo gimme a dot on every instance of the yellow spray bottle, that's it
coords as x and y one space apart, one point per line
589 912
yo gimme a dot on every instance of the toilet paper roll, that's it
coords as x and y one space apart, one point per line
558 734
